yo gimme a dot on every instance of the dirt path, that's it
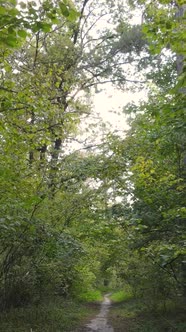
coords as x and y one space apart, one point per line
99 323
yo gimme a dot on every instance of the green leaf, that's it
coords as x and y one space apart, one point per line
3 10
45 27
13 12
22 33
64 9
14 2
33 4
22 5
11 31
73 15
54 20
11 41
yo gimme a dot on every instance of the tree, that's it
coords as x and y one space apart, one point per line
49 67
154 150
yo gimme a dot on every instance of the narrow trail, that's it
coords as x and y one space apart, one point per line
99 323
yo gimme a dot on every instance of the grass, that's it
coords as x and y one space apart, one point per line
120 296
131 315
56 315
91 296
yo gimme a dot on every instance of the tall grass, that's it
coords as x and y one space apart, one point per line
121 295
90 296
54 315
132 314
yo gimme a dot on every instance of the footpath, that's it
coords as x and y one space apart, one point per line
100 323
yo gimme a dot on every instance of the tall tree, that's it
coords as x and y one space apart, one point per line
155 150
46 77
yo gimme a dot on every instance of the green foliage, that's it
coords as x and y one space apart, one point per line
72 222
152 173
50 315
17 19
90 296
134 316
53 220
120 296
9 23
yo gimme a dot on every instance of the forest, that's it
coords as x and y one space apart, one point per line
85 210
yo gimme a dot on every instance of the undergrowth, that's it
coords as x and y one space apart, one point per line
133 315
90 296
54 315
120 295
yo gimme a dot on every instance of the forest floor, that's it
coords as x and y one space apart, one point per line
132 316
52 315
62 315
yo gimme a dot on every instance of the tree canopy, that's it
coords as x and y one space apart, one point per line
114 212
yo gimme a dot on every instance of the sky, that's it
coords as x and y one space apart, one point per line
109 105
110 101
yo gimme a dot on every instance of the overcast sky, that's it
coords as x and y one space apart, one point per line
109 105
110 102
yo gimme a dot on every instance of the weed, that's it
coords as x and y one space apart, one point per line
134 316
91 296
55 315
120 296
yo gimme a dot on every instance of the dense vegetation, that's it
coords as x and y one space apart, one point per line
110 214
